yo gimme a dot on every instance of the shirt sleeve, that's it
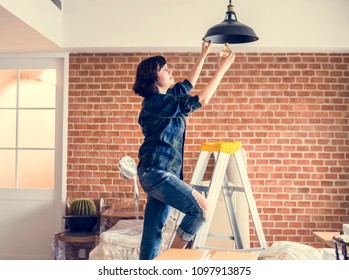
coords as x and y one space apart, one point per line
189 104
181 88
175 103
174 106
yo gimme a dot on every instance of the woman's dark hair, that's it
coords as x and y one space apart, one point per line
147 75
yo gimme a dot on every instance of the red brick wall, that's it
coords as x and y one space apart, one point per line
290 110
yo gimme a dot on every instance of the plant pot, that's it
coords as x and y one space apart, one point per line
81 223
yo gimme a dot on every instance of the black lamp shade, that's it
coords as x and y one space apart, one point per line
230 31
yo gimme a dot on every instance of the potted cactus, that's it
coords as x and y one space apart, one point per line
82 215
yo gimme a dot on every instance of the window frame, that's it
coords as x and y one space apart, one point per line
58 194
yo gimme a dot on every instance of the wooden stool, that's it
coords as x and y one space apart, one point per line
77 246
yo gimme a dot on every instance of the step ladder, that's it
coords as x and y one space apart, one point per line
223 151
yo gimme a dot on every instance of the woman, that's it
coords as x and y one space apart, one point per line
162 119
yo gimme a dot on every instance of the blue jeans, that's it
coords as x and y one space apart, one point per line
166 190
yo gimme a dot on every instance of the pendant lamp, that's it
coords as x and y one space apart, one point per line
230 31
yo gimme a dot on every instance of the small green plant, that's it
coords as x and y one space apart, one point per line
83 207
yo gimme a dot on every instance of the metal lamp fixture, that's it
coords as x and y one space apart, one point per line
230 30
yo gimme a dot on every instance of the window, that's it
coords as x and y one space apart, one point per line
27 128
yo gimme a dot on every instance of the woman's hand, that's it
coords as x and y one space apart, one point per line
225 63
205 47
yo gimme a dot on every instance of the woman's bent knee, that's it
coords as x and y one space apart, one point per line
202 202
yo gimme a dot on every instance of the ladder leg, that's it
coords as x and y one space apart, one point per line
227 194
249 197
228 199
214 189
200 168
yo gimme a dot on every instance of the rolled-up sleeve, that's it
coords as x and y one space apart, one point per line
189 104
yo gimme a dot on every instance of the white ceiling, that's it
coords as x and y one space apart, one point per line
17 36
167 25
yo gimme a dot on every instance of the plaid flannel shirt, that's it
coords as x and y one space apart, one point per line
162 119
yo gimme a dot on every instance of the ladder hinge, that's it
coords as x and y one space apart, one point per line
200 188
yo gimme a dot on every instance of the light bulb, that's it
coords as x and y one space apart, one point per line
225 51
